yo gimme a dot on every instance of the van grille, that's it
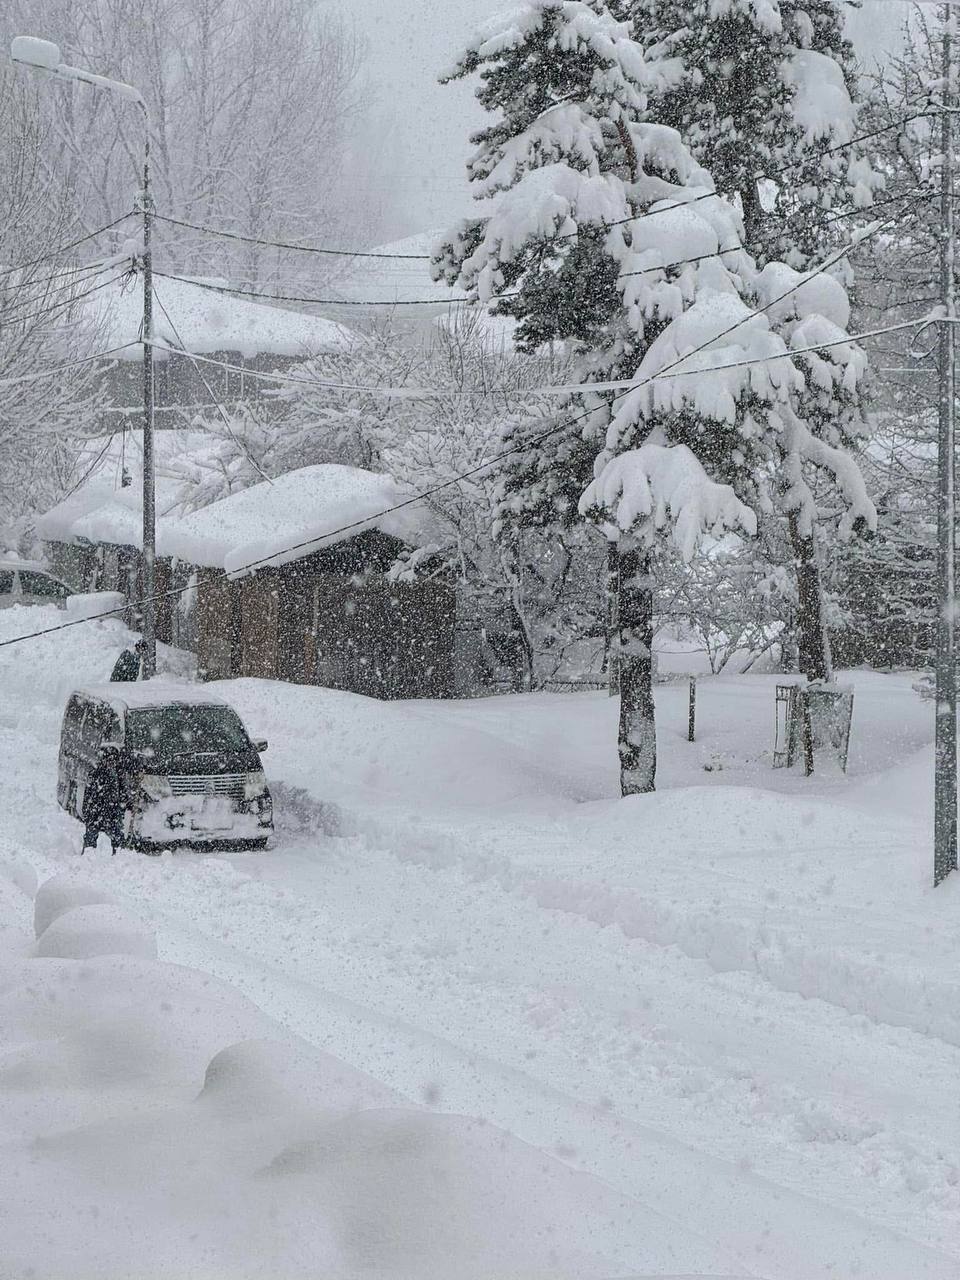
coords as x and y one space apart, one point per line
200 784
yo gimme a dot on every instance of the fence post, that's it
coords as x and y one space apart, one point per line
692 711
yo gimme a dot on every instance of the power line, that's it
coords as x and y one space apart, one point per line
65 271
65 248
444 484
320 302
223 413
453 299
280 244
62 368
425 257
560 389
65 304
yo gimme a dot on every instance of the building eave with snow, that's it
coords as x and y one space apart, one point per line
291 580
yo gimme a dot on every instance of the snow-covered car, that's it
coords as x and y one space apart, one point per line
27 582
190 773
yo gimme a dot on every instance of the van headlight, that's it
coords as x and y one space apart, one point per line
254 784
155 785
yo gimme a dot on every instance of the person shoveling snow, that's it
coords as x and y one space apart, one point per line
128 666
103 801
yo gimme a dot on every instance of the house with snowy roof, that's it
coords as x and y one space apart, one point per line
291 579
93 537
209 344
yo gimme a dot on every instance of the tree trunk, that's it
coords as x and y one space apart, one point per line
813 645
752 217
638 735
611 658
524 672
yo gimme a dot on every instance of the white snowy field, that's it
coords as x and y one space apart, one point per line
474 1017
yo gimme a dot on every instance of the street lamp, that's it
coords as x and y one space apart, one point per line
44 56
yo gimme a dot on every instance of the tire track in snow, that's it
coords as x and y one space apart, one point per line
897 996
730 1202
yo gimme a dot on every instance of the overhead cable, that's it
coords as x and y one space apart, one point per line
451 480
64 304
65 248
62 368
452 299
223 234
520 393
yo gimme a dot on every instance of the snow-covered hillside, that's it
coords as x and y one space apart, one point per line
473 1016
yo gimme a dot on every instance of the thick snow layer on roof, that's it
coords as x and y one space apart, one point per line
152 693
204 321
102 509
277 521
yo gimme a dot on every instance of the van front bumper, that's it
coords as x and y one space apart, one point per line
202 821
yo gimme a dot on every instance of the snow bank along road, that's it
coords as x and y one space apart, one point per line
714 1031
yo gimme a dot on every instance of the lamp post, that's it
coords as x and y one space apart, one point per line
945 785
44 56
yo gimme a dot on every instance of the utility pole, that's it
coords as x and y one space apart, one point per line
149 488
945 783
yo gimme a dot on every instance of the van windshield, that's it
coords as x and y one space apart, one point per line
172 731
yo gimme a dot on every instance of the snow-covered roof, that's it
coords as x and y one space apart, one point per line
295 514
102 509
203 321
405 278
140 695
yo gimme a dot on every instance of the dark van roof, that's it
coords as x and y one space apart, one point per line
145 694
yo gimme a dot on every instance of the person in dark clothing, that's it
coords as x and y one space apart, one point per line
103 801
127 666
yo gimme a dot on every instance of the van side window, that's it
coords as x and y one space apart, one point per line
97 723
6 582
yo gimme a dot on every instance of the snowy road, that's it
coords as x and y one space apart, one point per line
734 1005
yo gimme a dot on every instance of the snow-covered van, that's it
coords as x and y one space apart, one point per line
190 773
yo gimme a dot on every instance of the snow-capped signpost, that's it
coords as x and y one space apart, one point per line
606 235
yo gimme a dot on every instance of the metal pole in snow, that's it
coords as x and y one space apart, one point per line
945 783
692 710
149 505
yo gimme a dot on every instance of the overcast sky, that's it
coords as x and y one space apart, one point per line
418 129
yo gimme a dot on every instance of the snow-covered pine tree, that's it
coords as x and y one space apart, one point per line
765 92
605 234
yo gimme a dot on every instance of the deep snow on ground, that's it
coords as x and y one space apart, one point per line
515 1025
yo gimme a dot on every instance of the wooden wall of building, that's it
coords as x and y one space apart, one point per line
334 620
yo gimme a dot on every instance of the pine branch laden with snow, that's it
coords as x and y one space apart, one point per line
659 486
824 426
767 95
